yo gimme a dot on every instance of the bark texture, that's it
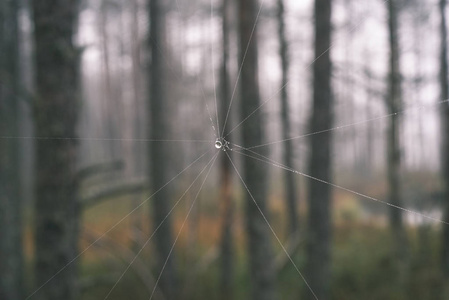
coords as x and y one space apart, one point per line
254 174
291 194
11 263
56 109
158 152
318 271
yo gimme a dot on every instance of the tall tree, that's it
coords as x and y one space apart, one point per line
158 152
134 113
11 264
56 109
444 82
226 179
371 96
320 163
290 188
254 174
394 104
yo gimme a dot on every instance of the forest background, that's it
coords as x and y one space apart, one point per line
247 149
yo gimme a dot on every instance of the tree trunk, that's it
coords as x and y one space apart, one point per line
370 127
394 104
56 112
137 84
444 79
225 173
320 164
254 174
290 189
134 117
158 152
11 263
110 104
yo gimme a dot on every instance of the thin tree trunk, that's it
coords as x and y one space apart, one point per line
350 91
225 173
134 112
444 79
255 175
418 81
158 152
370 129
107 100
136 79
394 104
320 164
56 112
11 263
290 189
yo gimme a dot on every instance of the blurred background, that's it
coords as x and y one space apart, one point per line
220 149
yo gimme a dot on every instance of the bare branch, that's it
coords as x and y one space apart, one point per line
112 191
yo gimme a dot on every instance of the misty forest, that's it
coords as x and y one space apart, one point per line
224 149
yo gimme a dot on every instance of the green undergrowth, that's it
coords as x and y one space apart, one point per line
362 268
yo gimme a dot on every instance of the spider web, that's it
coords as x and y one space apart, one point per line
249 152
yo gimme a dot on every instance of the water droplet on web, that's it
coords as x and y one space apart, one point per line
218 144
